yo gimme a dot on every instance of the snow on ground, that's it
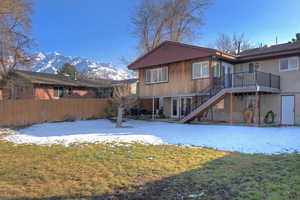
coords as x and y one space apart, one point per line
231 138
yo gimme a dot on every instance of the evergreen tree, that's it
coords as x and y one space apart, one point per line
68 69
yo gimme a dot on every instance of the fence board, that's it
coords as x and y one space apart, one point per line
26 112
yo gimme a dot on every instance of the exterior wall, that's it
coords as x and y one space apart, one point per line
47 92
269 102
289 83
180 80
18 89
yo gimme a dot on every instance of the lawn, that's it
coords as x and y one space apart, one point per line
136 171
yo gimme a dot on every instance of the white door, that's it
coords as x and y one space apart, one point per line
287 110
175 108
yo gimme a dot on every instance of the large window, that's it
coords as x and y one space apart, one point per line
157 75
288 64
200 70
58 92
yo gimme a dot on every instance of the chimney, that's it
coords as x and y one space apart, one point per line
75 76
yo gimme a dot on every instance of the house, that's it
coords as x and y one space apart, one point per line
45 86
190 84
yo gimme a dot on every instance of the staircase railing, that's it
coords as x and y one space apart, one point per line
240 79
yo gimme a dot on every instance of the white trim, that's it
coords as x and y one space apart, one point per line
157 70
178 105
288 69
201 66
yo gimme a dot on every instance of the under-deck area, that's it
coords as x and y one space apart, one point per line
240 98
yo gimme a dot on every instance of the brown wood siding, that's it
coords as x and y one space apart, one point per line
180 80
26 112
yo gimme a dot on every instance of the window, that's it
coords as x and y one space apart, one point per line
58 92
217 70
157 75
70 91
288 64
200 70
104 93
254 67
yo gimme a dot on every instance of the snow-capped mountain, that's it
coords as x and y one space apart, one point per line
51 63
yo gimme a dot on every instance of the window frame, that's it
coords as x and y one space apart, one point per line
159 75
201 70
58 89
289 68
217 69
70 91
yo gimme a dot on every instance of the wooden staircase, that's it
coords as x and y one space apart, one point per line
233 83
203 107
214 93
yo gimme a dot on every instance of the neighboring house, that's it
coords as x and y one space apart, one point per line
190 83
45 86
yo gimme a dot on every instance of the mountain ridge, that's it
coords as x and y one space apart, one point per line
52 62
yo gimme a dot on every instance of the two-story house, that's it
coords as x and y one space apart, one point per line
190 83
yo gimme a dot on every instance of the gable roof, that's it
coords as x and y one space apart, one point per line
170 52
61 80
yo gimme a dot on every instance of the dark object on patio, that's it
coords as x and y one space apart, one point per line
270 117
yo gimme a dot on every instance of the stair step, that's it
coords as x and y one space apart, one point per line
203 106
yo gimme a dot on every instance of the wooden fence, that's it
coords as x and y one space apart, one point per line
26 112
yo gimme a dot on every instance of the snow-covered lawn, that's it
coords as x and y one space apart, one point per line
231 138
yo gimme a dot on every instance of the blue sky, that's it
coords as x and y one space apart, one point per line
101 30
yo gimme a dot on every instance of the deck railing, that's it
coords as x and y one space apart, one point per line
246 79
234 80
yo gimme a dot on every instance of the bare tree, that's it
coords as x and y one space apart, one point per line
234 44
157 20
15 43
124 99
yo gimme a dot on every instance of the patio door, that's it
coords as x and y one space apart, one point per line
228 70
186 106
287 110
175 107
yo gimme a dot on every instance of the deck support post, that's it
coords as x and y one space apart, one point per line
179 110
231 108
257 109
153 110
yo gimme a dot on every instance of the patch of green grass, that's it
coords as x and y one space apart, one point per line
135 171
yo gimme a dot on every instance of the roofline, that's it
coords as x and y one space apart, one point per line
268 55
221 55
213 52
216 52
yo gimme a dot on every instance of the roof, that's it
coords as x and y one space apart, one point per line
271 49
170 52
54 79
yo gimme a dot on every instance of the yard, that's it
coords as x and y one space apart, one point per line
228 138
120 170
